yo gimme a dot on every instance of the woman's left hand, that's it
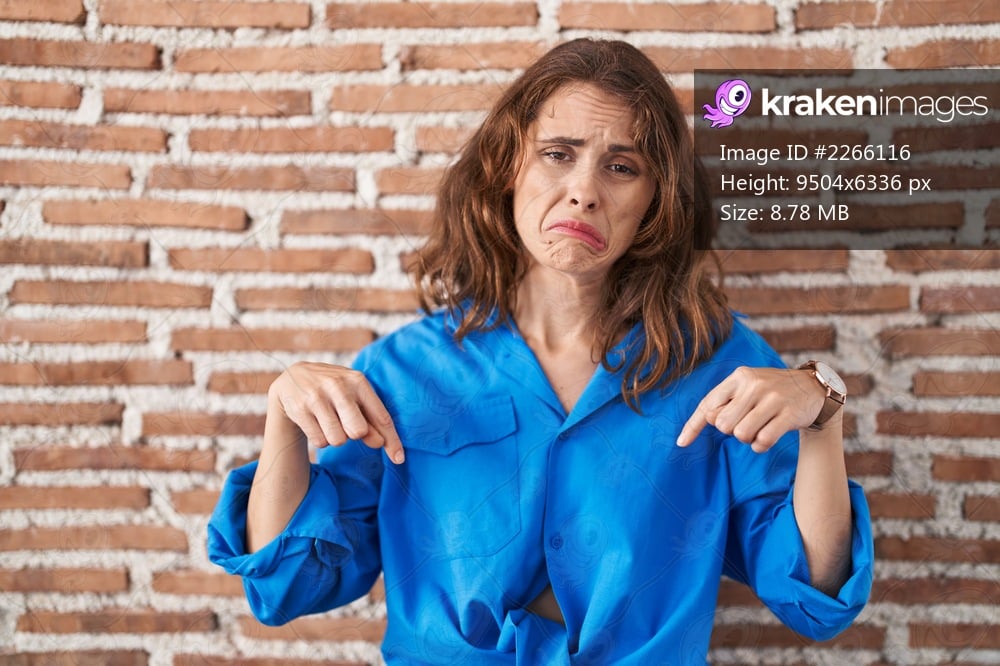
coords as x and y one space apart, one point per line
758 406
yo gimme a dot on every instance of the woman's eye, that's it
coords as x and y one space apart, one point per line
556 155
623 169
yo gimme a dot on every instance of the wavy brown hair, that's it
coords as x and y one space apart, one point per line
474 260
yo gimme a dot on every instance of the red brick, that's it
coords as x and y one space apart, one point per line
734 593
941 549
38 134
917 261
895 13
38 94
293 140
942 177
241 382
145 213
970 138
993 219
64 580
201 424
869 463
714 17
139 293
430 15
959 468
89 55
72 331
956 384
254 103
113 457
981 507
317 629
359 299
779 261
292 177
79 658
946 53
55 11
685 59
850 425
793 300
194 501
43 497
63 413
901 505
205 14
772 137
856 637
99 537
939 342
800 339
959 299
874 217
197 582
44 173
408 261
117 621
938 424
962 636
116 254
405 98
471 56
442 139
377 593
305 59
375 222
858 385
408 180
272 339
97 373
934 591
345 260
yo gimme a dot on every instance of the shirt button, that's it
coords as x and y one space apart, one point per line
556 542
562 437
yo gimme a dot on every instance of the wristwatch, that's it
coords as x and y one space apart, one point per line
836 390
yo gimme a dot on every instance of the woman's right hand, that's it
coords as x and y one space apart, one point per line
331 404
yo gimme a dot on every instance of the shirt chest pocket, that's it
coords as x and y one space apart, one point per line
461 473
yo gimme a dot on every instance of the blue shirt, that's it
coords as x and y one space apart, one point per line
503 493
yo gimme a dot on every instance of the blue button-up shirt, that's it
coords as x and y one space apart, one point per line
503 493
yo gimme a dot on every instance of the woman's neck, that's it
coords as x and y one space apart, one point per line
557 312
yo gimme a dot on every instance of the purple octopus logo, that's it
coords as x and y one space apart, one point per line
731 98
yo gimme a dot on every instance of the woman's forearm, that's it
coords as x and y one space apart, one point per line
281 480
823 507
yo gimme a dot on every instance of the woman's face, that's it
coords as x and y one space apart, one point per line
581 189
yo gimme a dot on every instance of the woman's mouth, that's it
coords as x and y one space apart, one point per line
581 231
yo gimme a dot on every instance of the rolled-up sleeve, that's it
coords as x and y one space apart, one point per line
328 553
766 551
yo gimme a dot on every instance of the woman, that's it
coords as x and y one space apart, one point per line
579 439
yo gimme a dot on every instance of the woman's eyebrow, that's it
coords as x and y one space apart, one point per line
570 141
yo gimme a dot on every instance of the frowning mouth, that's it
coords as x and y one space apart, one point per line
581 231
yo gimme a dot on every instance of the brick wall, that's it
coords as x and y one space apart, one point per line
197 194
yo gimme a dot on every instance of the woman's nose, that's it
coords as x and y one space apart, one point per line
583 192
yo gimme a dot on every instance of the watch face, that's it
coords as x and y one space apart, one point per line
831 377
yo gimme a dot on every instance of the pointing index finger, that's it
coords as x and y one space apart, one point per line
705 412
693 426
380 419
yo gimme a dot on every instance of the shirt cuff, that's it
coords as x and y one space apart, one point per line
316 525
798 604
